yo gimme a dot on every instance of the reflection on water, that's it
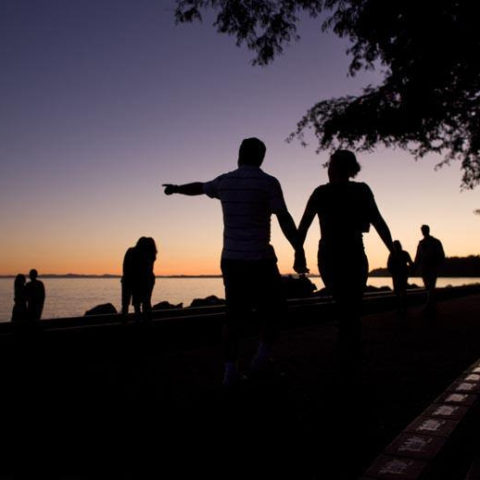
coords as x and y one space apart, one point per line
69 297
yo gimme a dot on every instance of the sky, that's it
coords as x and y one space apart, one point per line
102 101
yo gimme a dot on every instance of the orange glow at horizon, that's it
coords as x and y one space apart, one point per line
196 263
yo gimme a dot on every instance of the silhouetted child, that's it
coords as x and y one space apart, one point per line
399 265
35 296
19 312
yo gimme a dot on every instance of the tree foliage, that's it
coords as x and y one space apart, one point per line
428 52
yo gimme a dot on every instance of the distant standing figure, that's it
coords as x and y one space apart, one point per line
430 256
127 278
35 295
145 256
19 312
345 210
399 265
138 278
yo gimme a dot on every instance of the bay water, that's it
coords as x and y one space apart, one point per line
72 297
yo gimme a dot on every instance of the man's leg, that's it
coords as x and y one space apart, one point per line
235 281
136 308
126 296
400 289
430 281
272 309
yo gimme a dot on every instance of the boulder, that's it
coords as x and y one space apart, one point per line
209 301
103 309
323 292
369 288
166 306
300 287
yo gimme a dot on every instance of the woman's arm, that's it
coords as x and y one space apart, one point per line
378 222
307 219
305 222
383 231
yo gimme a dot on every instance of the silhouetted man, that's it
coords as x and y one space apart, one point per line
35 296
429 258
249 197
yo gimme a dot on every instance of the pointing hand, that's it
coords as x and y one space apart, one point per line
169 188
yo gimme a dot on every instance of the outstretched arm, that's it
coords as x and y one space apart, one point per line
195 188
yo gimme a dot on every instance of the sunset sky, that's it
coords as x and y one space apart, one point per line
102 101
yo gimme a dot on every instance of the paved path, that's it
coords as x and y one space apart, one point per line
137 409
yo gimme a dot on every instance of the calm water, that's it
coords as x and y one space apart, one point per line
70 297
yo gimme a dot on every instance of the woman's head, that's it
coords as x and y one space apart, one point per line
147 245
20 280
150 245
342 165
397 245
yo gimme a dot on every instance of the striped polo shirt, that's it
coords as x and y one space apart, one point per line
249 196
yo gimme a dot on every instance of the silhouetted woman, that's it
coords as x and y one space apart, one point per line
128 274
19 312
138 278
144 280
35 295
399 265
345 210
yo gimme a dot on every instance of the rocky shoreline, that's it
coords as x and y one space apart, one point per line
295 288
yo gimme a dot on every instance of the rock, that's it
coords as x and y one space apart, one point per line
209 301
300 287
369 288
103 309
166 306
323 292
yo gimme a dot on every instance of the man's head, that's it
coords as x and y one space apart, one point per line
251 152
33 274
425 230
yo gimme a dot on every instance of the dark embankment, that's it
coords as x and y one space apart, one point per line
114 401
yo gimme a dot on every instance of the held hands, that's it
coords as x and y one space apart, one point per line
300 263
170 188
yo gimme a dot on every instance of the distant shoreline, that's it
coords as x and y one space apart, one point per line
453 267
373 273
107 275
